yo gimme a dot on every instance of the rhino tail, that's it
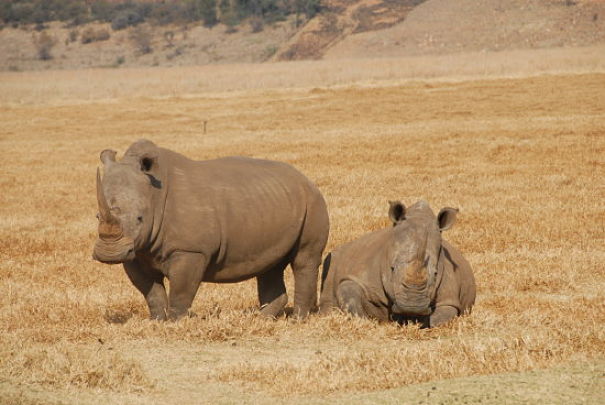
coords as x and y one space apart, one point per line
325 269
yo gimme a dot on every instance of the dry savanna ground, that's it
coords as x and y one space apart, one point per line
523 158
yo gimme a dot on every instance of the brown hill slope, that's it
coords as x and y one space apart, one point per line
340 19
377 28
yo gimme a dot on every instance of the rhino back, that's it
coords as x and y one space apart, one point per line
245 214
457 287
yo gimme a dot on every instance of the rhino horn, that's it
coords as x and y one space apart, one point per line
109 225
108 156
104 211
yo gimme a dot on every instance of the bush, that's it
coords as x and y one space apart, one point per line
169 38
91 35
119 61
73 35
163 14
204 10
125 19
44 44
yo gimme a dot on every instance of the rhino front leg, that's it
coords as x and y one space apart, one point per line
350 297
272 291
151 284
442 315
185 272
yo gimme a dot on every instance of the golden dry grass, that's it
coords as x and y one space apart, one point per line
523 159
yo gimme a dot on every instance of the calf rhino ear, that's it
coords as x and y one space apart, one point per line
446 218
108 156
396 211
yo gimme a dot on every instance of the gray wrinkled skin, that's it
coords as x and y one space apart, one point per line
224 220
404 273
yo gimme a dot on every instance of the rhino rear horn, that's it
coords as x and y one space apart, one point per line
108 156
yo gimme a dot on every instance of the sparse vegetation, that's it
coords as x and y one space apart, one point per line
91 34
123 14
126 18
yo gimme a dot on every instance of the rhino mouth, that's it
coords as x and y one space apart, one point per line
119 251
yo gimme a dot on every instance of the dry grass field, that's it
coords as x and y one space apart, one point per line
522 157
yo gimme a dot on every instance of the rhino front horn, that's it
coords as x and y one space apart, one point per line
104 212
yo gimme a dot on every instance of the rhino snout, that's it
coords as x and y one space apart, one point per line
115 252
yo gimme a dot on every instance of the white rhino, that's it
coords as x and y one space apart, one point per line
224 220
405 272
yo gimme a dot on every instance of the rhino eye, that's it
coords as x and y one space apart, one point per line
140 219
392 269
98 216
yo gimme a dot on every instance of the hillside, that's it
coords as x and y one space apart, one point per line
343 29
443 26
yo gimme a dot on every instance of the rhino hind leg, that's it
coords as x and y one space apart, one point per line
350 297
306 256
305 268
151 284
272 291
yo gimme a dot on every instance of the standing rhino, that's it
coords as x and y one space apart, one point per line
223 221
405 272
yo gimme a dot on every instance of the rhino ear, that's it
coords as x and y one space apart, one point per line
396 211
446 218
148 162
108 156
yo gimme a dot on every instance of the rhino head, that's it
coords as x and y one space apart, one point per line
411 281
124 196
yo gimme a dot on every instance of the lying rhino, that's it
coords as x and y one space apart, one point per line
222 221
406 272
